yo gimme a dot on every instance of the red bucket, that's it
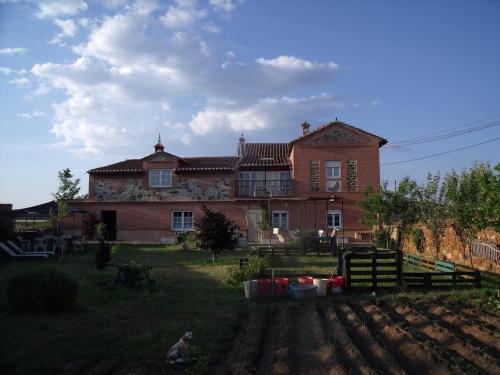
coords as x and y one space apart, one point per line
280 286
264 287
336 281
306 280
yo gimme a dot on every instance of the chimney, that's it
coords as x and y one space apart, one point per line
159 147
241 146
305 128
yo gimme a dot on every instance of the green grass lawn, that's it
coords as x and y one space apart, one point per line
134 325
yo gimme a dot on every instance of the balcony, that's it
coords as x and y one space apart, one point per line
263 188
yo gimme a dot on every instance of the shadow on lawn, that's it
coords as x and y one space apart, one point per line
121 324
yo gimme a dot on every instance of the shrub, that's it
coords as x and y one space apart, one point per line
417 235
42 291
256 268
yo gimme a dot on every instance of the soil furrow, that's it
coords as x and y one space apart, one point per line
281 358
346 352
409 352
378 358
480 317
242 358
449 346
467 331
273 340
311 352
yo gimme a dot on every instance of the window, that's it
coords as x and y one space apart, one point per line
334 219
182 221
160 178
280 219
333 176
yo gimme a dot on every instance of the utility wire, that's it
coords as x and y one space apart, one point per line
441 153
452 130
445 136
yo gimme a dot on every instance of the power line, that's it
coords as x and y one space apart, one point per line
446 135
438 133
441 153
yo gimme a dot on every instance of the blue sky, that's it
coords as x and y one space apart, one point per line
86 83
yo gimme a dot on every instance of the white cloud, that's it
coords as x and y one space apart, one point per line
32 115
57 8
12 51
183 15
268 113
20 82
8 71
68 30
224 5
374 103
292 63
132 72
212 28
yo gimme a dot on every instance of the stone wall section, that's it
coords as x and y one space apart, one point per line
186 189
315 175
454 250
352 175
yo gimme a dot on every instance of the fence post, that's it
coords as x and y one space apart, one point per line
399 267
478 278
427 280
374 271
347 271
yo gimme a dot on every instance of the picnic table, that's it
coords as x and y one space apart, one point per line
130 276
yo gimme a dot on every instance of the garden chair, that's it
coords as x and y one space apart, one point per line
12 254
24 244
21 251
80 243
39 244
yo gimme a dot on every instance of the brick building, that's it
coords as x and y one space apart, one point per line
313 182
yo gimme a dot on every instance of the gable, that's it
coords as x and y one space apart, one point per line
338 135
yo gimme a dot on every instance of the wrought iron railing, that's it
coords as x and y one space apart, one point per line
263 188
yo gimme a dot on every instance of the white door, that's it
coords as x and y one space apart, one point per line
254 217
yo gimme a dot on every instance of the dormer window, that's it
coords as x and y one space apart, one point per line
160 178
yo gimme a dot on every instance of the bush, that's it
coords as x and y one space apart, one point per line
380 239
42 291
417 235
256 268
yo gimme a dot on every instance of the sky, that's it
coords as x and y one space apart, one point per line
86 83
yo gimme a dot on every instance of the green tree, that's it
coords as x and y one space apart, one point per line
68 190
433 208
215 232
391 211
470 194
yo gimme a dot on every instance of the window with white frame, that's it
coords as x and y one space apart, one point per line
160 177
182 221
280 219
333 176
334 219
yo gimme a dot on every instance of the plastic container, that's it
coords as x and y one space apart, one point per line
322 285
336 284
280 286
304 292
251 289
264 286
305 280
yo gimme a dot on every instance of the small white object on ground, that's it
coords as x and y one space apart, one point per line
178 352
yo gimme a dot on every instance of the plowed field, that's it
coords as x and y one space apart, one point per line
363 337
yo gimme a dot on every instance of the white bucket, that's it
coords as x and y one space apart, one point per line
322 285
251 288
303 292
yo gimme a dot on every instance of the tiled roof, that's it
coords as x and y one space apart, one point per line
210 163
253 153
126 166
382 141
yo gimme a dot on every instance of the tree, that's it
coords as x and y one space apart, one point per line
68 189
215 232
433 208
470 194
391 211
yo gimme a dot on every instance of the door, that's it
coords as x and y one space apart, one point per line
254 217
109 219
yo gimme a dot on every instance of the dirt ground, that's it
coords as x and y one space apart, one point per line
366 337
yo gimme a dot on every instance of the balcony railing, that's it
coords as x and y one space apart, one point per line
263 188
